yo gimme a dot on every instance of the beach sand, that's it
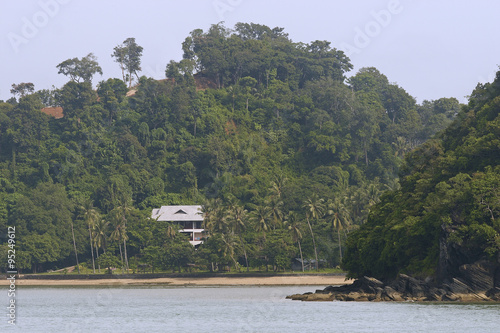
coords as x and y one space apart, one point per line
306 280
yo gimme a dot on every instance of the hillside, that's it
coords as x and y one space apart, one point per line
248 121
444 222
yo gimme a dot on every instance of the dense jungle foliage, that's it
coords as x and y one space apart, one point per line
449 200
285 154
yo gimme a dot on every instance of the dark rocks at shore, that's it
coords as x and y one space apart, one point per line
407 288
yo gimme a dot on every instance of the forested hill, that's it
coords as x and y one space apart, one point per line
281 137
445 219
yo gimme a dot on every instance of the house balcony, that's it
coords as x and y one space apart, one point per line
195 235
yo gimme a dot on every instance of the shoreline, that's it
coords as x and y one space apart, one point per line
304 280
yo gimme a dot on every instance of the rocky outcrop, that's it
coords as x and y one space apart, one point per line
407 288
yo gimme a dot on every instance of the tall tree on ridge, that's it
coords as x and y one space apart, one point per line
22 89
80 69
128 55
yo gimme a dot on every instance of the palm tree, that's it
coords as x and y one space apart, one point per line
171 231
230 245
119 234
314 209
74 246
121 213
275 207
100 235
339 217
294 227
373 193
211 211
275 202
237 217
260 217
90 216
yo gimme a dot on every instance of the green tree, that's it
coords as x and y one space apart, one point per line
314 207
109 261
80 69
295 226
339 217
128 56
22 89
90 215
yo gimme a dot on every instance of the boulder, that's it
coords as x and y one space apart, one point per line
494 294
457 286
479 276
407 288
392 294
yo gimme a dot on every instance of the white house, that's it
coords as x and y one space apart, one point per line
189 218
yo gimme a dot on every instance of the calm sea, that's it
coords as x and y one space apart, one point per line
231 309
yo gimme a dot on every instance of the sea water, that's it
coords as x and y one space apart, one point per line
231 309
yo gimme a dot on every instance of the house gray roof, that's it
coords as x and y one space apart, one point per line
177 213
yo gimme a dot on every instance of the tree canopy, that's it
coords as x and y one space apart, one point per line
446 213
80 69
249 124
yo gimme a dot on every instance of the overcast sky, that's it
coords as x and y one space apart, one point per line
431 48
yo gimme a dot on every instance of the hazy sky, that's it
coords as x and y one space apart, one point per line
431 48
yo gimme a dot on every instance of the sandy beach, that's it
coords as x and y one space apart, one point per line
306 280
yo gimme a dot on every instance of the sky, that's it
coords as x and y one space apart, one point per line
431 48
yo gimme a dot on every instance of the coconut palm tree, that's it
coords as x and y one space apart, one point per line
90 216
74 246
229 246
314 209
260 218
294 226
237 219
210 210
100 235
339 217
275 208
171 231
119 234
120 214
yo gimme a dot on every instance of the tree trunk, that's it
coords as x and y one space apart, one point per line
340 246
121 256
74 246
301 257
97 258
314 244
92 250
125 254
245 253
123 71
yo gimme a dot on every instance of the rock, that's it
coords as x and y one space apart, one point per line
457 287
393 294
479 276
407 288
299 297
494 294
416 287
319 298
435 294
450 297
